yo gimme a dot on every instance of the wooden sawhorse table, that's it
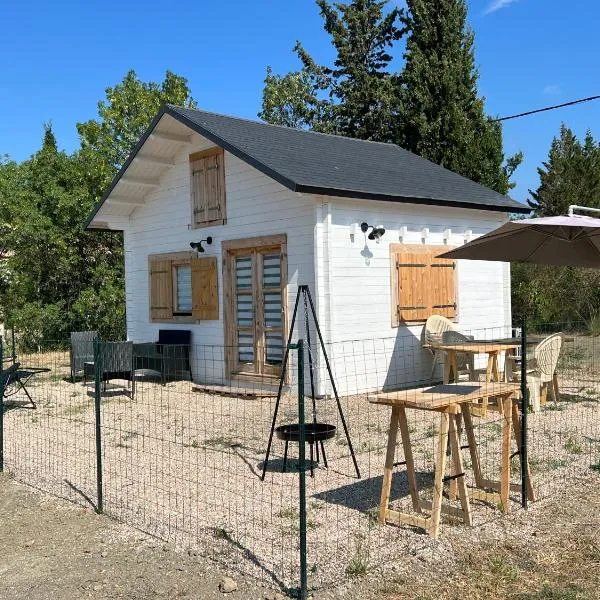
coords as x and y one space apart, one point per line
450 400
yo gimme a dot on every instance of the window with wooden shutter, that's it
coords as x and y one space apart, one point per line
422 285
207 187
183 288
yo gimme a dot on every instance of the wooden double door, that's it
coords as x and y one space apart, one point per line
256 306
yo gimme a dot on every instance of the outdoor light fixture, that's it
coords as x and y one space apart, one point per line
425 233
447 234
376 232
402 232
198 245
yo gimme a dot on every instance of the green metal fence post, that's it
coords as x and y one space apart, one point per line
1 405
97 420
302 484
524 412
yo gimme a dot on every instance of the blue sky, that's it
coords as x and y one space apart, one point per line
57 59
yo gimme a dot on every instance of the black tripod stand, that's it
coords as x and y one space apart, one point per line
315 432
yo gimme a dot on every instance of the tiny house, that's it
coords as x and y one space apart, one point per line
223 218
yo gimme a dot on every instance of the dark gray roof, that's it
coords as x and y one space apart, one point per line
312 162
333 165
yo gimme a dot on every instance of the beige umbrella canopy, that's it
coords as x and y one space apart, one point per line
570 240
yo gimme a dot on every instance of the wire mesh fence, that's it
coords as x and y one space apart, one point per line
183 442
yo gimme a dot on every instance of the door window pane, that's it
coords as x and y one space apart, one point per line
245 312
183 277
273 310
245 347
271 270
274 348
243 273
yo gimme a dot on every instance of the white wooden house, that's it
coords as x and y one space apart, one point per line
284 207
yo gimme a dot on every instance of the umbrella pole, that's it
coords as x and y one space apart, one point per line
524 412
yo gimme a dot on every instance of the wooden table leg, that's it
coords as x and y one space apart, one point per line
389 465
468 419
555 390
517 424
454 470
440 468
458 469
408 457
505 465
450 367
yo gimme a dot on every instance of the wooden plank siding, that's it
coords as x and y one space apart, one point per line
256 206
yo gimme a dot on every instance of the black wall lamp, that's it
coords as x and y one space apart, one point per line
198 245
376 232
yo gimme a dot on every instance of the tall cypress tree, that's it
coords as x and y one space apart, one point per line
571 175
442 117
356 96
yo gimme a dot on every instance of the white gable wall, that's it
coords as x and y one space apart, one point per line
256 205
354 286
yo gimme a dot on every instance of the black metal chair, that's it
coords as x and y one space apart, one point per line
169 357
14 379
82 352
116 362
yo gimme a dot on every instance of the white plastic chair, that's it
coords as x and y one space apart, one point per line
541 375
432 336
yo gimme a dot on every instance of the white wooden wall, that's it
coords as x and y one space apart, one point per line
256 205
354 288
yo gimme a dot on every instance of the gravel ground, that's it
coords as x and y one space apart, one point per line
184 466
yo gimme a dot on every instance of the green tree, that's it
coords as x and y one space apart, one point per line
58 277
123 117
547 294
442 117
571 175
356 96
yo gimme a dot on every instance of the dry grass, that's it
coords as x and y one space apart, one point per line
558 560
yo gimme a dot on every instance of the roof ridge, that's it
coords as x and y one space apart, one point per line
309 131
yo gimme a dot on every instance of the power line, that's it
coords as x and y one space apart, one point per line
539 110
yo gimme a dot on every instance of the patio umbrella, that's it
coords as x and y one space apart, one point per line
569 240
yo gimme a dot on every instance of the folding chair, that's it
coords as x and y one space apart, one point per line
15 377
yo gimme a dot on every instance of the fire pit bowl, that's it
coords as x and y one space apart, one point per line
314 432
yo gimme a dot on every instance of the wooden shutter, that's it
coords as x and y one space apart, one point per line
205 297
161 289
413 292
207 185
425 285
443 287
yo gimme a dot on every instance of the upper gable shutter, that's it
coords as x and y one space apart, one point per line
205 297
208 186
214 187
198 184
161 290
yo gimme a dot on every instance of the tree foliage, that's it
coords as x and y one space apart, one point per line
431 107
356 96
547 294
58 277
442 117
571 175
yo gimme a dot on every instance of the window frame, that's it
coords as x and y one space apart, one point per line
193 158
242 247
395 249
184 258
